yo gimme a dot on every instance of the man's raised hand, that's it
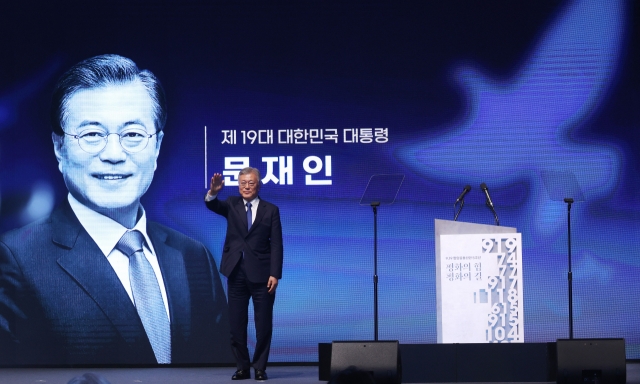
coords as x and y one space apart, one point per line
217 182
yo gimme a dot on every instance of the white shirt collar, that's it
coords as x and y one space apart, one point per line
103 230
254 202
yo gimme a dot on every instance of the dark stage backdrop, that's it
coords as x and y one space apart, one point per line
320 95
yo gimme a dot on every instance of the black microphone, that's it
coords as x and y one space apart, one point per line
466 190
484 188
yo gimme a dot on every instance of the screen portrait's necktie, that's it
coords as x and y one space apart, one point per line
147 296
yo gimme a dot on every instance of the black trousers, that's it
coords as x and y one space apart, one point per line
239 290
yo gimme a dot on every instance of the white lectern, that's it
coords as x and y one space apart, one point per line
478 283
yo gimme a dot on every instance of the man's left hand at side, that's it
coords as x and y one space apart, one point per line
272 284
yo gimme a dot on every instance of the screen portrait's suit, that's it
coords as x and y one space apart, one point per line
62 303
250 254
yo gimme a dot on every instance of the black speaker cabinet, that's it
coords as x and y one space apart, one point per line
380 358
591 361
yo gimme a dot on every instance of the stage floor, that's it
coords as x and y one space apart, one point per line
277 375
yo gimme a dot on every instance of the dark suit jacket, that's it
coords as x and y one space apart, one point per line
262 245
62 303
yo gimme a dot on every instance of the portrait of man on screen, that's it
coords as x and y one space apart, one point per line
96 282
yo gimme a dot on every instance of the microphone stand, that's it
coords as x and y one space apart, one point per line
495 215
456 214
569 201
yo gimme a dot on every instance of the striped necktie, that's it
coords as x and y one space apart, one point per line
147 296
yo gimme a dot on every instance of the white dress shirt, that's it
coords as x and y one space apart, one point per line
254 205
106 233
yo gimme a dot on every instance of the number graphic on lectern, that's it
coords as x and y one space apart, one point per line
504 318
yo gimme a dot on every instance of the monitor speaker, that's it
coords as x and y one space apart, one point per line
591 361
380 358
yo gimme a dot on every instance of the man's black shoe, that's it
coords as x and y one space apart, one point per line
261 375
241 374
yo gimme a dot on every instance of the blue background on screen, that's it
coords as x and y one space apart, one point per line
495 92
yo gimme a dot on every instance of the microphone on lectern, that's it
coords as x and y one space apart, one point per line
466 190
484 188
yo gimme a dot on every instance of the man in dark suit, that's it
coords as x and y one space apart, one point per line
95 282
252 262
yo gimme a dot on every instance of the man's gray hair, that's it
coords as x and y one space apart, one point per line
248 170
100 71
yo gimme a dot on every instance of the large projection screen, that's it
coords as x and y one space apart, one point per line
319 96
